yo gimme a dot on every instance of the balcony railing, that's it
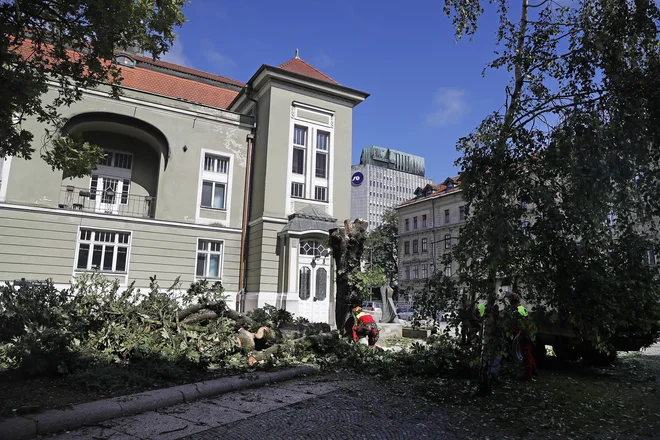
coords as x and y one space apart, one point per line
106 202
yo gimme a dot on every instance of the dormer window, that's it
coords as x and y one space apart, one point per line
125 61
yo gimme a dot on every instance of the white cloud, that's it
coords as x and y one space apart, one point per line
219 61
175 54
450 107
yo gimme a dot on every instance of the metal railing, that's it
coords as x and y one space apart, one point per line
106 202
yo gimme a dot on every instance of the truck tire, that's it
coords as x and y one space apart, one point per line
599 359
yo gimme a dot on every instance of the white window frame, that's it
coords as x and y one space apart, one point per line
5 166
309 177
123 276
208 252
105 172
216 177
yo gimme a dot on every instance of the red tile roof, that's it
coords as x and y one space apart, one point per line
186 89
296 65
184 69
180 88
440 189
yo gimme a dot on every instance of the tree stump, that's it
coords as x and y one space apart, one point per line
347 245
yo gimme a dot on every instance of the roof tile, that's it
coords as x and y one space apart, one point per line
296 65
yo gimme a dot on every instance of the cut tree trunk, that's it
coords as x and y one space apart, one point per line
306 341
347 245
294 331
245 340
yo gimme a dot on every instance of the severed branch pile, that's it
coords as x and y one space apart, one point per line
265 342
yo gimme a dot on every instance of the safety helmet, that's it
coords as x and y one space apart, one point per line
357 309
512 297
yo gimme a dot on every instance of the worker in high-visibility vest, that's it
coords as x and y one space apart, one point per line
364 326
524 329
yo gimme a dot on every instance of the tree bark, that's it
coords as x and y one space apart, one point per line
347 245
306 341
245 340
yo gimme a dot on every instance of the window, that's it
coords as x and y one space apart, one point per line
313 247
322 147
424 221
406 273
461 213
209 259
407 224
446 216
103 250
321 193
415 272
415 246
321 284
299 148
111 180
213 195
117 160
447 241
216 164
297 189
406 248
298 161
215 172
414 222
424 245
448 271
425 272
310 158
305 281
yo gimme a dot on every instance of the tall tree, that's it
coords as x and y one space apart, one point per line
572 147
381 248
69 46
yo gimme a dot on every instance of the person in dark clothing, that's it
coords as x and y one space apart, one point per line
523 328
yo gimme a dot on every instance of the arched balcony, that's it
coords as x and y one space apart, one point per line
125 183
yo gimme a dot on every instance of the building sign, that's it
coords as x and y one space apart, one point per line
357 178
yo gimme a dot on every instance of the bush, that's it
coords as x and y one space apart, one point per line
46 331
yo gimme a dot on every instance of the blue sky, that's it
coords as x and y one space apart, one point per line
426 90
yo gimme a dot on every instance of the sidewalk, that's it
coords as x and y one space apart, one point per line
30 426
323 407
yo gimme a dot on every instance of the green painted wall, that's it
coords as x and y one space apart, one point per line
35 183
40 245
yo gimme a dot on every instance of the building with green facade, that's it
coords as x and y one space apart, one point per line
204 177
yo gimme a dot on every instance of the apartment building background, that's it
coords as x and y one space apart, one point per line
169 198
383 179
429 226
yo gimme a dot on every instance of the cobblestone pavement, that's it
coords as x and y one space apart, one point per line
321 407
341 415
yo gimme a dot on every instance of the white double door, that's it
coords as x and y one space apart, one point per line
110 187
314 288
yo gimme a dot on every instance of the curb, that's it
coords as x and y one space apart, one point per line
29 426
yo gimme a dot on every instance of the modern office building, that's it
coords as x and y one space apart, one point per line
383 179
205 177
